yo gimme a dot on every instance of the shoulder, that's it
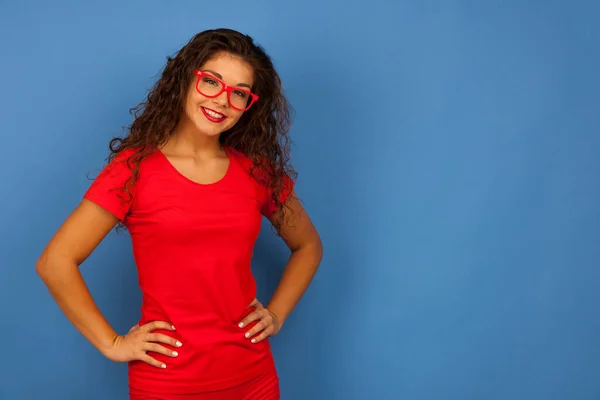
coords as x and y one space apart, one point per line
119 167
110 188
125 161
260 169
247 165
240 157
124 156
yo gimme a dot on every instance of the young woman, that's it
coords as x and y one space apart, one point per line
205 158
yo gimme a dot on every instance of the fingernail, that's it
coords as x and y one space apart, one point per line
175 354
164 366
253 340
247 334
241 324
178 344
173 326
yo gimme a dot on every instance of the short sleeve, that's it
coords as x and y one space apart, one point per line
269 206
108 190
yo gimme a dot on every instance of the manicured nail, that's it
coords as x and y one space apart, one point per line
253 340
241 324
164 366
178 344
247 334
175 354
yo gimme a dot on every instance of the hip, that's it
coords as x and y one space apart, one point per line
264 386
215 370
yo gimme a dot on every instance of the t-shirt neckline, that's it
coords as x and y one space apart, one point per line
192 182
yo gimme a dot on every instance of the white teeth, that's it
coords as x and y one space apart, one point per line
213 114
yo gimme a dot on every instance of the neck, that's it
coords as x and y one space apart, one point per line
187 140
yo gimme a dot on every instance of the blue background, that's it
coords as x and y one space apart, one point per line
448 154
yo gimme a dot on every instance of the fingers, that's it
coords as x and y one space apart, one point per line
152 361
160 338
267 325
255 303
157 348
266 322
253 316
150 342
256 328
264 334
154 325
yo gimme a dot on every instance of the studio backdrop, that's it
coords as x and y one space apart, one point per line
448 153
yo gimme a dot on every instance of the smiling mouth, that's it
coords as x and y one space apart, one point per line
212 115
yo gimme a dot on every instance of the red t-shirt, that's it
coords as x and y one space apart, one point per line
192 245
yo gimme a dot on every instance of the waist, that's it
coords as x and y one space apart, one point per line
204 366
214 349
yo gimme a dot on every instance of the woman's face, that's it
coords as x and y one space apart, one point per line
213 115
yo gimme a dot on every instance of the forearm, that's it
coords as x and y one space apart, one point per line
68 288
299 272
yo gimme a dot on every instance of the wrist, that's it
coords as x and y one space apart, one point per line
278 316
109 344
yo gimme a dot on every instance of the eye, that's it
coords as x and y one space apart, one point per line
240 93
210 81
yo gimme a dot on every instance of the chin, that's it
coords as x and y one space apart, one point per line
207 128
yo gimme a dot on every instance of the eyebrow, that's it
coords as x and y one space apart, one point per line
218 75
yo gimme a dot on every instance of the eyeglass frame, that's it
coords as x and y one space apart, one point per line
225 88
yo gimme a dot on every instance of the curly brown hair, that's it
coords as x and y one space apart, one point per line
261 134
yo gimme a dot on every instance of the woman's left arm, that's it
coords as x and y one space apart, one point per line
302 238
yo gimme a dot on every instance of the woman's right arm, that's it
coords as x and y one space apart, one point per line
58 267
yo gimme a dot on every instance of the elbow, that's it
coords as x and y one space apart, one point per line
53 264
319 249
42 267
48 266
315 249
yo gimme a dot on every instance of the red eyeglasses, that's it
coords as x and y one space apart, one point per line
211 86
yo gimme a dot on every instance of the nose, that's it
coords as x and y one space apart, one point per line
221 99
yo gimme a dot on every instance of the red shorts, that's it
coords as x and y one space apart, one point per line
263 387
